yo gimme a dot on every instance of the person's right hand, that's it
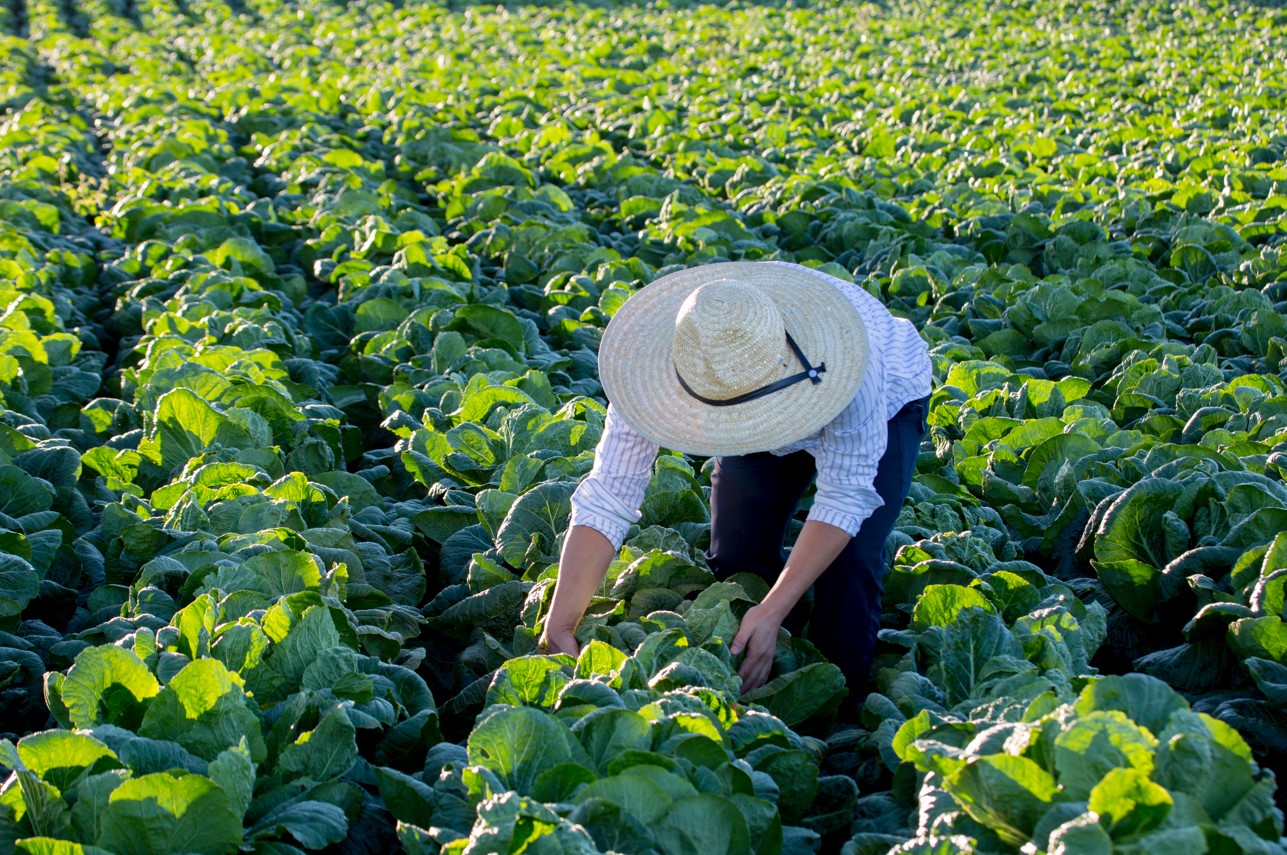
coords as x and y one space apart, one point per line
559 641
583 563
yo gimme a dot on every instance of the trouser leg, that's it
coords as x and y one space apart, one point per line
847 597
753 497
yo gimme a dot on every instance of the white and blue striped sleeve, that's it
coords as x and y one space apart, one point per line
608 498
848 455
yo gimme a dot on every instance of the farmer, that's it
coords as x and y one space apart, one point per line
782 374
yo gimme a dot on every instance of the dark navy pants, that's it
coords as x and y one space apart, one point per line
753 499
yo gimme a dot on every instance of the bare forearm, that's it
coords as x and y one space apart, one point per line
817 546
582 566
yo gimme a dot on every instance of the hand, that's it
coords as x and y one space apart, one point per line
559 641
758 636
582 565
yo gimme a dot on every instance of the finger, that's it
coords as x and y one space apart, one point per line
760 664
754 680
753 668
748 668
739 640
748 678
746 640
766 645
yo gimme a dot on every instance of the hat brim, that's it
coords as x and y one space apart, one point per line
638 375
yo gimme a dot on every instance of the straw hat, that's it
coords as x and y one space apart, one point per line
701 360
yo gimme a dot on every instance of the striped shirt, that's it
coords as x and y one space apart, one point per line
846 451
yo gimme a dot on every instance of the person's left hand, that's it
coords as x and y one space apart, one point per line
758 636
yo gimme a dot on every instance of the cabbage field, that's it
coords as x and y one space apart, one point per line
299 306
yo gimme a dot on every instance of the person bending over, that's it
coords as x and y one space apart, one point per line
783 374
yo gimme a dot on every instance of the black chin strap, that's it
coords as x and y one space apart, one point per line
810 373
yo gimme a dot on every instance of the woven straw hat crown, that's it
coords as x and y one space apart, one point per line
729 340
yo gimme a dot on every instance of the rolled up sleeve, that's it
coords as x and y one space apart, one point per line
847 459
608 498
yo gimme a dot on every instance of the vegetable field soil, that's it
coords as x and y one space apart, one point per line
299 307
